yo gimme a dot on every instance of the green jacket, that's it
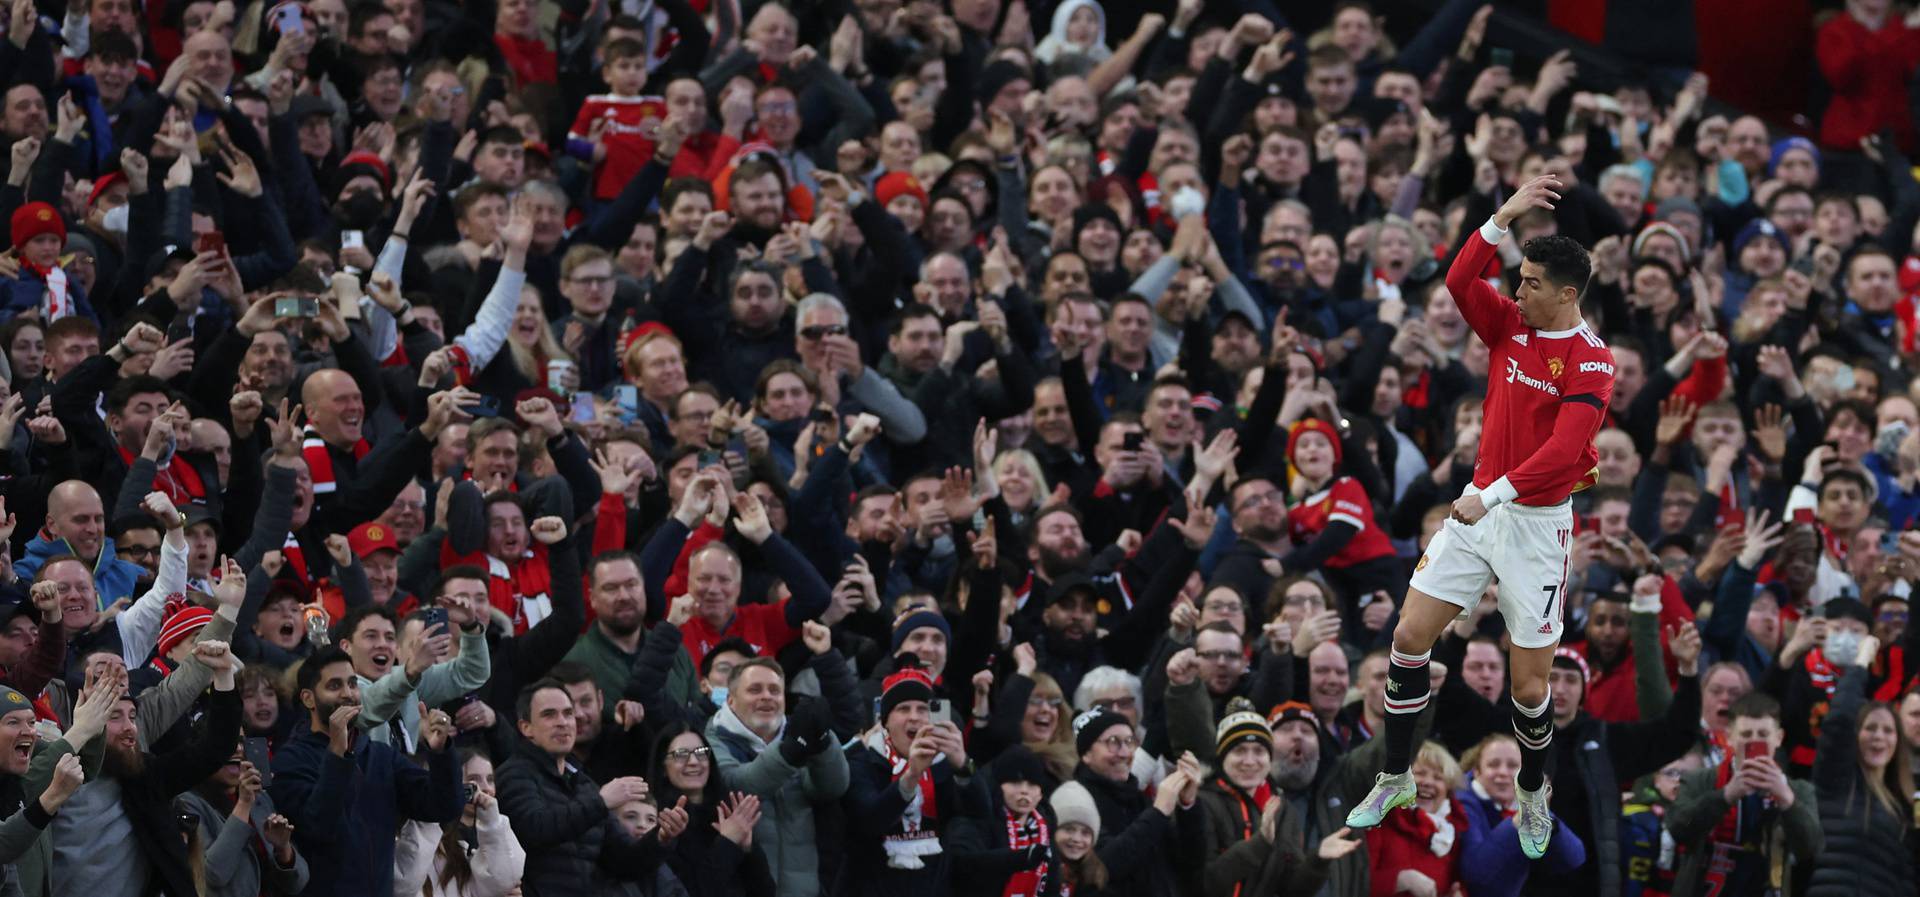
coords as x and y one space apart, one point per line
612 667
1789 837
392 697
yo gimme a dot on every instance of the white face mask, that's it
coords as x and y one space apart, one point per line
115 221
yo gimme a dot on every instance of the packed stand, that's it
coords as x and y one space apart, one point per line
687 448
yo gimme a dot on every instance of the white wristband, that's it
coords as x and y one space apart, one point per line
1498 492
1492 233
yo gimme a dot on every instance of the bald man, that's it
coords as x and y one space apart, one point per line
209 57
351 482
77 525
336 411
210 437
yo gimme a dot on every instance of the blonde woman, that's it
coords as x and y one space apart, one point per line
508 344
530 342
1491 864
1022 482
1395 247
1417 850
1030 709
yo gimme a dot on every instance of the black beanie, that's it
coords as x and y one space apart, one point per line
1020 764
1091 212
996 76
1092 725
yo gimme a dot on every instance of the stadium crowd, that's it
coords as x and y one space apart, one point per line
688 448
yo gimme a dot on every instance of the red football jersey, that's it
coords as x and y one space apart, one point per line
764 626
1346 501
632 123
1547 392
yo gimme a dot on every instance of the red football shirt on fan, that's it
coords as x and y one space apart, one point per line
1345 501
764 626
631 125
1547 392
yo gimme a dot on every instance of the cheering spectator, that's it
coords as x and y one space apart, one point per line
248 848
563 818
1489 855
121 827
894 795
1419 850
1013 847
1722 812
481 858
1862 760
348 794
716 856
787 760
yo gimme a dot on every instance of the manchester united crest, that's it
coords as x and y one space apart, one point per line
1555 366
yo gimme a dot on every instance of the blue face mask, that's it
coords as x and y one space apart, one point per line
719 696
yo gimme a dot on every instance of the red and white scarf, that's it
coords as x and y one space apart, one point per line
57 302
1022 834
520 589
915 839
1442 839
320 460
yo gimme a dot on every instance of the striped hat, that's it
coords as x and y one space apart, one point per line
181 626
1239 725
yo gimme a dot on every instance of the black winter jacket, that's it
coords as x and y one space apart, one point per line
1865 850
1136 840
574 845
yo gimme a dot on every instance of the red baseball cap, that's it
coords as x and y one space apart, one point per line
372 536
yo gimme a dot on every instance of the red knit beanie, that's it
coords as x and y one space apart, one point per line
1314 425
34 219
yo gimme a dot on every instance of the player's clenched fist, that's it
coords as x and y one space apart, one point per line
1468 509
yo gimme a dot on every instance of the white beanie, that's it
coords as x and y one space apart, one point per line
1072 802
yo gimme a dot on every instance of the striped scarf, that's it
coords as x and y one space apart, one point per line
1021 835
916 839
1823 676
320 460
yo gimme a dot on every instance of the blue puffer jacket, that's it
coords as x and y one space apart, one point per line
113 578
23 294
1491 864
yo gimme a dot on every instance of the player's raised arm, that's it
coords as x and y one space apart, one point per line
1486 311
